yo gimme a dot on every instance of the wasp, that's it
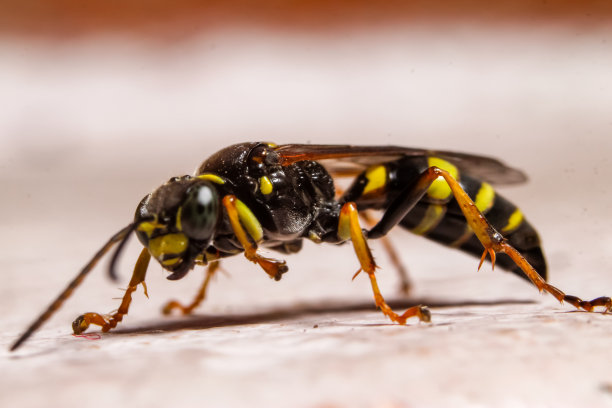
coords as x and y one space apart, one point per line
260 195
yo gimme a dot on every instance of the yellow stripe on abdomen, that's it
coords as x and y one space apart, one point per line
377 179
433 216
485 197
440 189
515 219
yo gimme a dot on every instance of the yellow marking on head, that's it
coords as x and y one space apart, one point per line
440 189
377 178
179 213
485 197
270 144
265 185
433 216
515 219
211 177
149 226
249 221
170 262
169 244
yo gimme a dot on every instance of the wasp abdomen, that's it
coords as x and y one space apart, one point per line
438 216
445 223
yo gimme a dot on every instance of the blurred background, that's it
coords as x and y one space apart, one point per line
100 102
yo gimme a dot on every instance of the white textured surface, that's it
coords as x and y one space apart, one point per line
88 128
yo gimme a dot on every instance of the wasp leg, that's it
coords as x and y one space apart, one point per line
405 284
82 322
173 304
492 240
349 228
273 267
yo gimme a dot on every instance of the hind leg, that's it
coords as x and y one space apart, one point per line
492 241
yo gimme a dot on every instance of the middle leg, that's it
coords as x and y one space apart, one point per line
173 304
349 228
405 284
107 322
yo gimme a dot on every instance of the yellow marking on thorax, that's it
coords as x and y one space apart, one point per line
265 185
169 244
485 197
377 178
515 219
211 177
440 189
433 216
249 221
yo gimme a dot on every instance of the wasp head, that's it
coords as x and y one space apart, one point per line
177 222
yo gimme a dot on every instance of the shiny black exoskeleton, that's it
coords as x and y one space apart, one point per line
288 203
296 201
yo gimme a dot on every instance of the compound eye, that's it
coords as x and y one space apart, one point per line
198 215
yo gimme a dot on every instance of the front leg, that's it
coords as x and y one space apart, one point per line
240 214
82 322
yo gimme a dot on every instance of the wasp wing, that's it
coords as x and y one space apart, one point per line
353 159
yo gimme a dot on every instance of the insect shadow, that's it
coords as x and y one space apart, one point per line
195 322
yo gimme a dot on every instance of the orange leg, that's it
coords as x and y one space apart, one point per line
494 242
65 294
405 284
542 285
173 304
273 267
349 228
82 322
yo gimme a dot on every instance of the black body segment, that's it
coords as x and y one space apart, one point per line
298 200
